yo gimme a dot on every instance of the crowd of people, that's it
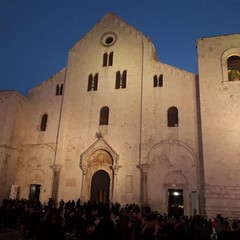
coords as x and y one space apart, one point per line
101 221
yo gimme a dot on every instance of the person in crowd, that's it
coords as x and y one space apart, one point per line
52 227
125 228
199 231
226 232
90 231
150 228
106 226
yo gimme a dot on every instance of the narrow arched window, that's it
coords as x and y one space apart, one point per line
172 115
104 115
95 82
105 59
155 81
43 124
121 79
124 79
59 89
92 82
110 60
161 80
158 81
118 80
233 65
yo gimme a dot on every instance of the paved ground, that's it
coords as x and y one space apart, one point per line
8 234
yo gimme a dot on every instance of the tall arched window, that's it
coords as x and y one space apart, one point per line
158 81
172 117
92 82
107 59
104 115
121 79
233 65
43 124
59 89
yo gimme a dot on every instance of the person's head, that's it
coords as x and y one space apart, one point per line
151 220
90 227
198 220
226 226
53 217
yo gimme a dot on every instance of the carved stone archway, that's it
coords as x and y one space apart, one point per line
99 156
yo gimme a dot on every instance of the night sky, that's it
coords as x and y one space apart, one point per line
35 35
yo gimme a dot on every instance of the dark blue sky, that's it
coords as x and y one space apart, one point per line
35 35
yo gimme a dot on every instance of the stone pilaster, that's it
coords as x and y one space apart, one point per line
115 169
55 184
143 194
84 172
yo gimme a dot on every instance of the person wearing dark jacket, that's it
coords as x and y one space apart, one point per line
52 227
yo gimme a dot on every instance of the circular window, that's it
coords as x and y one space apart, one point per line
108 39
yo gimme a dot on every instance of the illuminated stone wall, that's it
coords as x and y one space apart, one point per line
220 111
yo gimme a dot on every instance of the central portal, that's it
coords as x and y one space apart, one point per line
100 187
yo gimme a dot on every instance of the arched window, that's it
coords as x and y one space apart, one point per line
104 115
107 59
233 65
92 82
110 60
59 89
43 125
172 115
121 79
158 81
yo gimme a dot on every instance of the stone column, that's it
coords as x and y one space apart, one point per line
115 169
143 194
55 184
84 171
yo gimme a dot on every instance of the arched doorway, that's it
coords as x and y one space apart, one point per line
100 187
34 191
175 202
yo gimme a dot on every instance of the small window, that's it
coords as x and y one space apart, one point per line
95 82
59 89
161 80
233 65
104 115
158 81
110 60
107 59
43 124
121 79
172 115
109 40
92 82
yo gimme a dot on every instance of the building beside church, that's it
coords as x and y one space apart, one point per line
119 125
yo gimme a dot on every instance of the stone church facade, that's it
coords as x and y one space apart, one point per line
119 125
